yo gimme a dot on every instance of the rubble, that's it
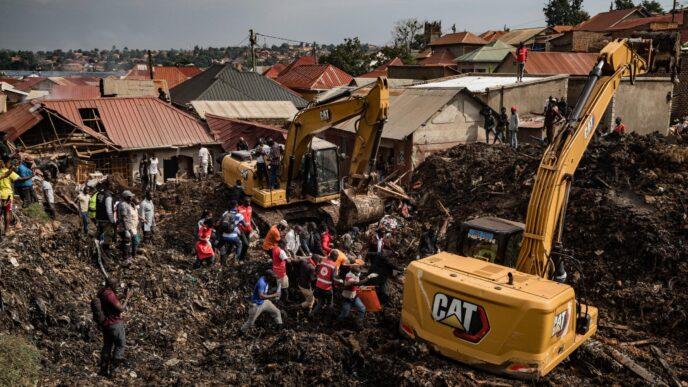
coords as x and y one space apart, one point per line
183 325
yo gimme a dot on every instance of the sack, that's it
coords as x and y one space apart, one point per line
97 311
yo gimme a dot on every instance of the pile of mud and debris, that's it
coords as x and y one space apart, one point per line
626 221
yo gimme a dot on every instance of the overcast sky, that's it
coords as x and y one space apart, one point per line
65 24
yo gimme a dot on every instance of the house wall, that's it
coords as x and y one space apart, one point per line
187 160
459 122
529 97
643 107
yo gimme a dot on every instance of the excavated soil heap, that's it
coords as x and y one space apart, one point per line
626 222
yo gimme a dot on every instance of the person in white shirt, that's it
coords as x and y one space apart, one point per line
203 158
261 152
147 216
514 122
48 195
153 172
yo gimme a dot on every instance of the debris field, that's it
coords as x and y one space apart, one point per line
627 224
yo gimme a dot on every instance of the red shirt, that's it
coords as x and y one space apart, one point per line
108 299
620 129
521 54
325 240
246 212
279 265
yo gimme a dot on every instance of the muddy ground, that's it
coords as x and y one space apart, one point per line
626 222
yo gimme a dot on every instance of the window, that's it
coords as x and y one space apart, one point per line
91 118
480 244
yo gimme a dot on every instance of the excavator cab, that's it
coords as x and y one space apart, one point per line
491 239
320 170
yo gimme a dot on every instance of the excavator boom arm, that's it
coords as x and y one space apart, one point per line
561 158
373 111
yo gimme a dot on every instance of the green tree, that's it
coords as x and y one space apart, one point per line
388 53
405 33
623 4
652 6
565 12
349 56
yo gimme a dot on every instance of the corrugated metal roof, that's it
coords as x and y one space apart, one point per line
492 35
603 21
137 123
190 71
300 61
474 83
171 74
458 38
74 92
224 83
246 109
408 110
392 82
491 52
19 119
314 77
441 57
227 131
550 63
274 70
514 37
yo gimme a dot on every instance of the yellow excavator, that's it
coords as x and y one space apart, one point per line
506 308
310 184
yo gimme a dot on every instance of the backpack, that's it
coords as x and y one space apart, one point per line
97 311
227 223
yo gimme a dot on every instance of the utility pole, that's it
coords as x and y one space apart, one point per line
673 12
252 39
315 52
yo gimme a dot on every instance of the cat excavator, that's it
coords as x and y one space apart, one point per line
506 308
310 182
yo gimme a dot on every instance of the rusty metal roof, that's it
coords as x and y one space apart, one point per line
171 74
314 77
137 123
458 38
441 57
73 92
381 71
551 63
19 119
227 131
603 21
525 35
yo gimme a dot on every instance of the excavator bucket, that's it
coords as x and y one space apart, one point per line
359 208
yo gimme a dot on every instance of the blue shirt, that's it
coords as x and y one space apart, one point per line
24 171
261 287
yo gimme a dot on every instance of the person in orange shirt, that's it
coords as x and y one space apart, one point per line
274 235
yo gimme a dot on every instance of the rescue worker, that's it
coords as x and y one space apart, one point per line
325 239
620 128
275 163
274 235
105 217
147 216
502 125
552 117
514 123
280 259
83 200
92 207
203 159
326 276
127 227
486 112
242 145
352 281
204 248
245 228
114 335
24 185
229 226
261 301
261 153
306 278
7 178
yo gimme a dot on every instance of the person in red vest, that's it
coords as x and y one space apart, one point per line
279 265
245 227
620 128
521 58
205 253
326 276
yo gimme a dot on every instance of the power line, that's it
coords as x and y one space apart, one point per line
281 38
